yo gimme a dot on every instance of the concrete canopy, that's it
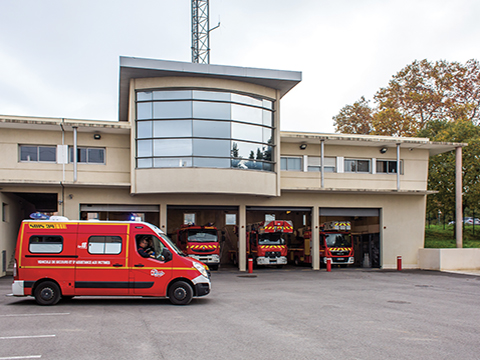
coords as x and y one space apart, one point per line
134 68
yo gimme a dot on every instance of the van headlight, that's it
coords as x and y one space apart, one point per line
201 269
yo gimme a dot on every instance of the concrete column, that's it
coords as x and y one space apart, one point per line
242 238
163 217
458 197
315 239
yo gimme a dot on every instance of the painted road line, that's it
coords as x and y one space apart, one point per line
46 314
25 337
21 357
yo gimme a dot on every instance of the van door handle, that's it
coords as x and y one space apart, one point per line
139 265
117 265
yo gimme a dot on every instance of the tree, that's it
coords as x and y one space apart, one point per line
420 93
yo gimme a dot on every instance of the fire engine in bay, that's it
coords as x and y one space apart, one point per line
336 243
267 242
201 243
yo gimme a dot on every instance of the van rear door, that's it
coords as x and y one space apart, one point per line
101 267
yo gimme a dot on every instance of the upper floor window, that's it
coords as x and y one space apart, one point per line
315 164
388 167
357 165
290 163
89 155
200 128
32 153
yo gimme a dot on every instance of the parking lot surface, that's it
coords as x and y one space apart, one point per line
278 314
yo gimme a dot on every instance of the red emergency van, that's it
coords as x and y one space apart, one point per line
63 259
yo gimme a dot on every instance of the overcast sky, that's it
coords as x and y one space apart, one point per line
60 58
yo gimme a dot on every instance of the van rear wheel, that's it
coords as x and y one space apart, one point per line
47 293
180 293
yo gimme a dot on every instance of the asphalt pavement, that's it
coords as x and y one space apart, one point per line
271 314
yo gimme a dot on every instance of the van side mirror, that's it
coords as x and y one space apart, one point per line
167 254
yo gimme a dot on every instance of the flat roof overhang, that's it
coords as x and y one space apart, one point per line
434 148
134 68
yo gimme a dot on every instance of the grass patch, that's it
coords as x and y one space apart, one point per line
438 237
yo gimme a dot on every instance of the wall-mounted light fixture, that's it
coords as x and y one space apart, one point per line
97 136
70 196
383 150
303 146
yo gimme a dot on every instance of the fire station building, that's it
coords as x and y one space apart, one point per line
202 143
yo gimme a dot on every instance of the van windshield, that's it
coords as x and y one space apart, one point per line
167 240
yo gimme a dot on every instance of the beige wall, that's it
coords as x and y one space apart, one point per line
414 177
449 259
115 170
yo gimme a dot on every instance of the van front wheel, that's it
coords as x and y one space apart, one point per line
47 293
180 293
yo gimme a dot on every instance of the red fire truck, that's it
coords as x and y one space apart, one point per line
267 242
336 243
201 243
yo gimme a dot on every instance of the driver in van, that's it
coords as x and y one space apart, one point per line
142 250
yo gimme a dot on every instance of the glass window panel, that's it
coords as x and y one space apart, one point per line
211 95
294 164
172 128
267 166
47 153
45 244
268 135
173 162
96 156
144 163
247 132
267 118
267 104
96 247
28 153
363 165
172 147
247 150
392 167
144 110
245 164
81 155
172 95
314 161
211 110
211 162
246 100
144 129
144 148
283 163
247 114
144 95
330 161
172 109
381 166
217 148
350 165
214 129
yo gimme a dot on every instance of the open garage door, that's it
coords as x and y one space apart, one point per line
364 233
207 233
280 245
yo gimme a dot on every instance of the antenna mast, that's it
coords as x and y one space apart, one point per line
201 32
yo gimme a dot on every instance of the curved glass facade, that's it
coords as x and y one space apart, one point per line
198 128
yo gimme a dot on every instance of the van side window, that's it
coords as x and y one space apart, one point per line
105 245
45 244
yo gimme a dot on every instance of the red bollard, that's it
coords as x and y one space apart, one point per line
399 263
250 265
329 264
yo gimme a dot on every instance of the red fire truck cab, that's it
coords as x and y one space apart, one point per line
201 243
267 242
63 259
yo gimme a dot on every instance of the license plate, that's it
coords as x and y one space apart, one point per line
340 259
